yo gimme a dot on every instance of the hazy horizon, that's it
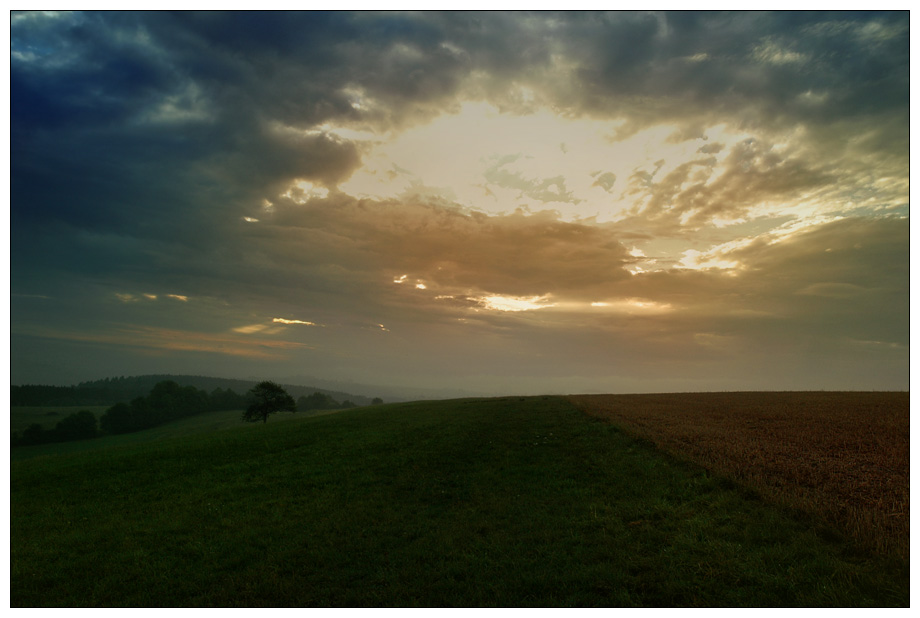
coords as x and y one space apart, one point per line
498 203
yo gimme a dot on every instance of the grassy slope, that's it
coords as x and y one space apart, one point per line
468 502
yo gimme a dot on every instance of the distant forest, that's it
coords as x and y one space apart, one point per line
167 401
110 391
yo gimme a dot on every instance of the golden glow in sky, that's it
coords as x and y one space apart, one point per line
496 163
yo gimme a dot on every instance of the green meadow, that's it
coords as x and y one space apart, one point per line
477 502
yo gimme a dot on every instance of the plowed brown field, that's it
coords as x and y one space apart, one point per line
844 456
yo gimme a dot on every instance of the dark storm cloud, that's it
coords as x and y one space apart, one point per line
157 125
759 65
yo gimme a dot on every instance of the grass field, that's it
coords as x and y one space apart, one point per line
495 502
842 456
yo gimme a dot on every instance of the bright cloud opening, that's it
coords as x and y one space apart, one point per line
304 190
514 303
697 260
498 162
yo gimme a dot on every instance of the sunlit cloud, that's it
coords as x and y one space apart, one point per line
304 190
184 299
286 321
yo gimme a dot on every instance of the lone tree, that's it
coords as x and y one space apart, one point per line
267 398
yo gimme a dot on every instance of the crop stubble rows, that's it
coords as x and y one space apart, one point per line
844 456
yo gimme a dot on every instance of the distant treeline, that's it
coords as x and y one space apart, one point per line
79 426
167 401
113 390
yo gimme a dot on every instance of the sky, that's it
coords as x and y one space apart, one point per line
498 203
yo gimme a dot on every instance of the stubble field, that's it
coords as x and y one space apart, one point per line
844 456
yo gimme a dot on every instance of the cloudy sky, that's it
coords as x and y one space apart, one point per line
497 202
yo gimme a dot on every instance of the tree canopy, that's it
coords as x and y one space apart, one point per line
266 399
